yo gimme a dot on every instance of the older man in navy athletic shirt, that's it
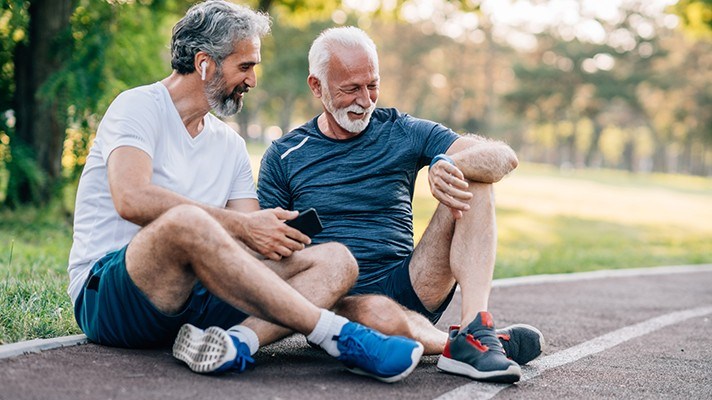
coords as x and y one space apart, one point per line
357 165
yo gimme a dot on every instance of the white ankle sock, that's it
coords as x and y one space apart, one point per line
329 324
246 336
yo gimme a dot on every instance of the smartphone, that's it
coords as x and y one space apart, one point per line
307 222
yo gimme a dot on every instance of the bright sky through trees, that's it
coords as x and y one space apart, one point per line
516 21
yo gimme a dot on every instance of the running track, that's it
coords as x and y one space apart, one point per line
610 334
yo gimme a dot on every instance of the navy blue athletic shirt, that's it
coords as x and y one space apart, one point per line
361 187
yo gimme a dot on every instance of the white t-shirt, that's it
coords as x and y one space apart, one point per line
211 168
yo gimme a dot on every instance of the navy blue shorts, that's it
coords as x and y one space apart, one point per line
113 311
397 285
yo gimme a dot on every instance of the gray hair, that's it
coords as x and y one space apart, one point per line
347 36
213 27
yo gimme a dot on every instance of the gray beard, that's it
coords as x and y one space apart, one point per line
222 103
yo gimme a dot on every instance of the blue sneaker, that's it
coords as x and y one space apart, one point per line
211 351
365 351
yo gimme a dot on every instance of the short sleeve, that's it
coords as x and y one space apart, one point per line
130 121
243 184
272 187
431 138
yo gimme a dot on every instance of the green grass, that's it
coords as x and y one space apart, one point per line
34 247
553 221
550 221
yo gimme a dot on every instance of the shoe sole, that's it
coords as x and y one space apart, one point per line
415 359
203 351
542 342
509 375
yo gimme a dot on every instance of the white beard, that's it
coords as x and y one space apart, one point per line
342 117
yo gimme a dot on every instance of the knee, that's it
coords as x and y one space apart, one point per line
184 216
481 189
337 259
482 195
378 312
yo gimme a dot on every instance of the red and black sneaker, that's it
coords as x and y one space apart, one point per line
522 343
477 353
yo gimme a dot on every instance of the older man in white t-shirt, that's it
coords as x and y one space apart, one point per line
169 243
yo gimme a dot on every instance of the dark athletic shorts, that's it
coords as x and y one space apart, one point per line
112 311
397 285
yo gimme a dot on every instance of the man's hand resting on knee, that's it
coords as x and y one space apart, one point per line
449 187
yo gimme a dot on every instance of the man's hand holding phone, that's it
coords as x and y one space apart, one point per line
265 232
307 222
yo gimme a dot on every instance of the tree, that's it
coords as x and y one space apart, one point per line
285 71
40 119
627 89
67 64
71 62
696 16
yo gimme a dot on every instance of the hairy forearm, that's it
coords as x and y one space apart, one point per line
143 205
263 231
484 160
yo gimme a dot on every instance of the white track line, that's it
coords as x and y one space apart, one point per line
483 391
601 274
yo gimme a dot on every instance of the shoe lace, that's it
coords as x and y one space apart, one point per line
243 358
353 348
488 338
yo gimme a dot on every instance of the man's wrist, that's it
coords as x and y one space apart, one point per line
234 222
443 157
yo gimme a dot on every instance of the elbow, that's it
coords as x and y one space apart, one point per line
127 209
508 163
513 161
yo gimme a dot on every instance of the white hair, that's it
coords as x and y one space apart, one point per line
347 36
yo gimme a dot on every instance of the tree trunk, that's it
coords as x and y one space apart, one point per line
568 150
660 157
628 159
684 159
285 116
593 148
488 74
264 5
41 118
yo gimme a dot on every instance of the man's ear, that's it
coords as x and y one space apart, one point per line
315 86
201 62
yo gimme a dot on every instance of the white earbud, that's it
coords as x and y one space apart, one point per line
202 66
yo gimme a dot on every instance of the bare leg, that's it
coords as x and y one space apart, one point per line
473 251
185 244
449 252
462 252
385 315
322 274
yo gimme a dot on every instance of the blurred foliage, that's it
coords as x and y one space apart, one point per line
13 24
573 81
113 51
696 16
109 50
565 101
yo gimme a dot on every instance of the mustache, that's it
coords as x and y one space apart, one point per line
358 109
239 89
